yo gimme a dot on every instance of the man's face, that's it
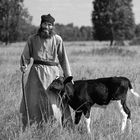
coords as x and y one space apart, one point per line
46 26
46 29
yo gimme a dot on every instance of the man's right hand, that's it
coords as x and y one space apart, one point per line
23 69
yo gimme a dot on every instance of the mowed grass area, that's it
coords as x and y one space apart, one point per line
88 60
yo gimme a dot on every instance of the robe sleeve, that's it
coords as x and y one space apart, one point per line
63 59
26 54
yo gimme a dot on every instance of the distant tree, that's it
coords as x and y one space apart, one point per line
12 13
70 32
86 33
25 30
113 20
137 30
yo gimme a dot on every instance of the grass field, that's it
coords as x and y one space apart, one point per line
88 60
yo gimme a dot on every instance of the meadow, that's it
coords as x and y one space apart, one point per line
87 60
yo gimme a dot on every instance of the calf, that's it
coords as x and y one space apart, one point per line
83 94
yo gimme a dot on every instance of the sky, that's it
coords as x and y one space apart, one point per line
77 12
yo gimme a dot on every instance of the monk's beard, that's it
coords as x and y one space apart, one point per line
45 34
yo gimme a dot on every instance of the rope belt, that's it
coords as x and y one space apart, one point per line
48 63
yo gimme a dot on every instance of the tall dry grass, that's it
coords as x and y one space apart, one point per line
88 60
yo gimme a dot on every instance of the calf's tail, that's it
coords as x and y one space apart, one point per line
132 90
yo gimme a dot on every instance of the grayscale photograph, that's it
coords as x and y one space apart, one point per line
69 69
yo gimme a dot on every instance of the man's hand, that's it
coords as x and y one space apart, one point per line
23 69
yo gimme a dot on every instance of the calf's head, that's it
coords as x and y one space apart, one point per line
62 86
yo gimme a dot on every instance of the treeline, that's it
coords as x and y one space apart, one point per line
16 24
14 21
68 32
111 20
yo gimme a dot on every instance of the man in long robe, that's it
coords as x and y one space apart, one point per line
48 51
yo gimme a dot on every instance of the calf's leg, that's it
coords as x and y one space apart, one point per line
127 111
124 114
88 120
77 117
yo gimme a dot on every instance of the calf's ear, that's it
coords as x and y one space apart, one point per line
68 79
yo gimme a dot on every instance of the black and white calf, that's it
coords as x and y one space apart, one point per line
83 94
